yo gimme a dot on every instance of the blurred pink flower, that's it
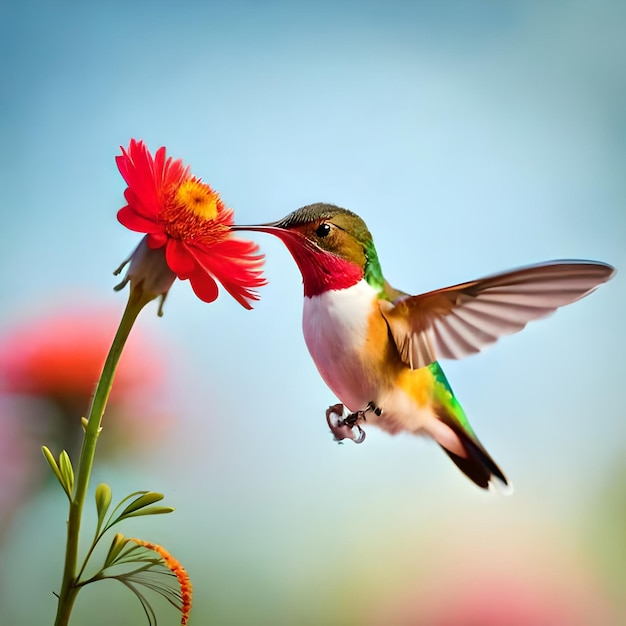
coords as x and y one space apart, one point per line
57 359
60 356
49 367
499 598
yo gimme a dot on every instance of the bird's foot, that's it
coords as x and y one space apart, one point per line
345 425
373 408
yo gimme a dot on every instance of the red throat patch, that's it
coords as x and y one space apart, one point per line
321 271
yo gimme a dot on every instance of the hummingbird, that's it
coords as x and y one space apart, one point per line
378 348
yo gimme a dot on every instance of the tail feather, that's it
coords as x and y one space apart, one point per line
478 465
475 463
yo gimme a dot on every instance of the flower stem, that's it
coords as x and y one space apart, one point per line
69 589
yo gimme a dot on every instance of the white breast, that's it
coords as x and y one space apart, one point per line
335 328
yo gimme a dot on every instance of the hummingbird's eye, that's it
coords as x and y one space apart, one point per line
322 230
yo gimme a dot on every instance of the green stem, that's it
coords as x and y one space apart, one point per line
69 590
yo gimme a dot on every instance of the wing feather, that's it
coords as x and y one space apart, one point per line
460 320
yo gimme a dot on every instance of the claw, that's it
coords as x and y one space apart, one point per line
344 428
361 437
372 407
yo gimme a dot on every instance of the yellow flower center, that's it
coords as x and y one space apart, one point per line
197 198
192 211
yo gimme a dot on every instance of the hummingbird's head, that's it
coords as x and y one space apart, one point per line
332 246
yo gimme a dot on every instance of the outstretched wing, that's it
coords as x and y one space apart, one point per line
457 321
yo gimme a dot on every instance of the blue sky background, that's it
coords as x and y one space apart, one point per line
472 137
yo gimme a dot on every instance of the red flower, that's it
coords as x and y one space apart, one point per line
187 230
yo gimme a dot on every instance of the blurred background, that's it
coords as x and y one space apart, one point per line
472 137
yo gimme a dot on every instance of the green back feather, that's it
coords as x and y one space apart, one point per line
372 271
445 395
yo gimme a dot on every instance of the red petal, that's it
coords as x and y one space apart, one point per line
159 161
227 216
157 240
174 172
137 205
136 165
203 285
133 221
233 263
137 168
180 261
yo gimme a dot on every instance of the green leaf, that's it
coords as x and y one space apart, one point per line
146 499
117 545
149 510
103 501
57 472
67 471
52 462
114 520
126 499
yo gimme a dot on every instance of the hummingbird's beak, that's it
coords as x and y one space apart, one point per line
277 228
270 227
